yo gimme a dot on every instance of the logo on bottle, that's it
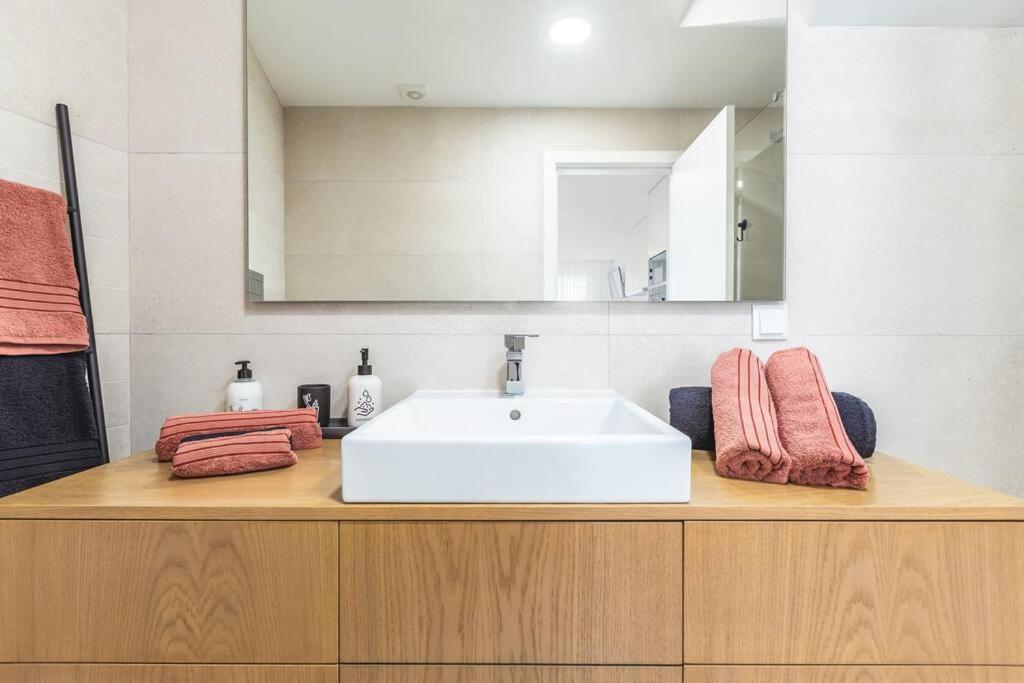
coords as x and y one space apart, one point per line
364 406
311 402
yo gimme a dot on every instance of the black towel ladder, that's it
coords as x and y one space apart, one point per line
67 162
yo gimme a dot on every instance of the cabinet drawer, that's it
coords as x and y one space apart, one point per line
854 674
510 674
538 593
167 673
854 593
114 591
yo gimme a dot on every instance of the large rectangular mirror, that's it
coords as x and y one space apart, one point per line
535 150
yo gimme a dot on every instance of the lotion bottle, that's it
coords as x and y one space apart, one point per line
364 393
244 393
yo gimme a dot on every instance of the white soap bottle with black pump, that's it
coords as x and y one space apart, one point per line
364 393
244 393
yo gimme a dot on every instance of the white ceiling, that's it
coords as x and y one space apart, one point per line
497 53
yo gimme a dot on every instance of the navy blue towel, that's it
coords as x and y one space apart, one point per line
47 430
690 412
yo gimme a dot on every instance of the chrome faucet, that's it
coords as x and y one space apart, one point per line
514 345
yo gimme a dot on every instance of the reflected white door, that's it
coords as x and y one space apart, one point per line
702 211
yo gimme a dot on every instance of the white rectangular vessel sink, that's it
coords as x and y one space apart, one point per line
540 447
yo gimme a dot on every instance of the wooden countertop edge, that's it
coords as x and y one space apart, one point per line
520 513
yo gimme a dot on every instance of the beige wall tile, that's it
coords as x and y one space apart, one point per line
18 176
188 238
32 91
512 278
119 442
640 317
116 402
514 140
423 318
110 306
382 218
905 244
31 147
396 143
644 367
513 219
104 216
265 179
27 34
405 363
113 351
383 278
107 263
912 91
94 21
187 76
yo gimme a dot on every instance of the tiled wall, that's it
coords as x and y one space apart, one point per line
903 267
265 185
74 51
460 189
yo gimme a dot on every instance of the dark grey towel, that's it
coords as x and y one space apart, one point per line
859 422
690 413
47 430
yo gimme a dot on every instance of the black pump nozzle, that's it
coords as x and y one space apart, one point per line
244 372
365 368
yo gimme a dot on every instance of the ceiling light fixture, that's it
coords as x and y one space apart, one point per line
570 31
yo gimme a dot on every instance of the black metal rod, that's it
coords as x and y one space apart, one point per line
67 161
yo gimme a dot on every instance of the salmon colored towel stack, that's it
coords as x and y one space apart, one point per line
251 452
302 422
809 424
746 428
40 312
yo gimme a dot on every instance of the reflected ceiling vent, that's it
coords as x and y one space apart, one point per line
412 92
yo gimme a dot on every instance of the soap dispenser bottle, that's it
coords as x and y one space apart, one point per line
244 393
364 393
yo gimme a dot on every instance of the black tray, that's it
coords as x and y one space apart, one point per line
336 428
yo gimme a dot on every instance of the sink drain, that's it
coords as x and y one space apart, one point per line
515 415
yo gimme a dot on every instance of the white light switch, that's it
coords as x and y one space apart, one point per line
769 321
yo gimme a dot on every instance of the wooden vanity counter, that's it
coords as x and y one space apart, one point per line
123 573
141 488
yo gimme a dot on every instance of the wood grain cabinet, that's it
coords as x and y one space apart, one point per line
854 674
167 673
118 591
509 592
511 674
854 593
122 574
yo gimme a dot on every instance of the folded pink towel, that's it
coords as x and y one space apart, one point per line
250 452
747 443
809 423
39 308
305 430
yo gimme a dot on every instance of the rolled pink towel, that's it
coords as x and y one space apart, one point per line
809 424
236 454
747 444
302 422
